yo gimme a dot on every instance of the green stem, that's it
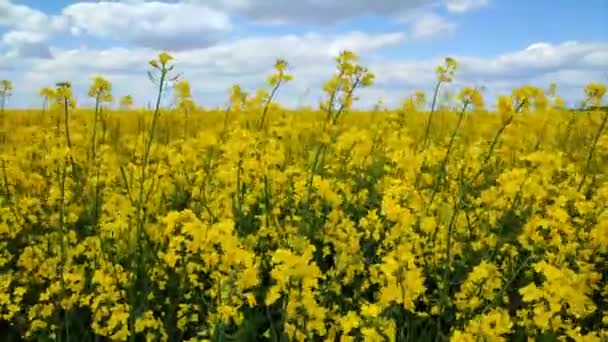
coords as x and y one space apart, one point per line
349 94
507 285
67 126
94 136
313 171
444 163
63 248
598 134
427 129
267 200
273 329
147 148
97 197
268 101
495 140
332 99
185 123
7 192
141 219
44 104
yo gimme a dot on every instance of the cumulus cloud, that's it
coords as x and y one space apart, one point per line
212 70
27 44
5 62
462 6
24 18
29 30
160 25
156 24
314 11
187 24
429 24
540 58
224 63
329 12
361 41
196 32
567 63
112 60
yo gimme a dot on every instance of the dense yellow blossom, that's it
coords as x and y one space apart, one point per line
255 222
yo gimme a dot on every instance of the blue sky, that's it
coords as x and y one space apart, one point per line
500 44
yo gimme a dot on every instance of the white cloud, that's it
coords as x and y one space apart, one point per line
26 44
20 16
329 12
571 65
183 24
567 77
429 24
16 37
597 59
196 32
241 57
361 42
112 61
154 24
462 6
24 18
214 69
541 57
314 11
161 25
5 62
29 30
257 54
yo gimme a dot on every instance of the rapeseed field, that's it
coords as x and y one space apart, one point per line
470 222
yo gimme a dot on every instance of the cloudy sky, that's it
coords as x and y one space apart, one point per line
500 44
